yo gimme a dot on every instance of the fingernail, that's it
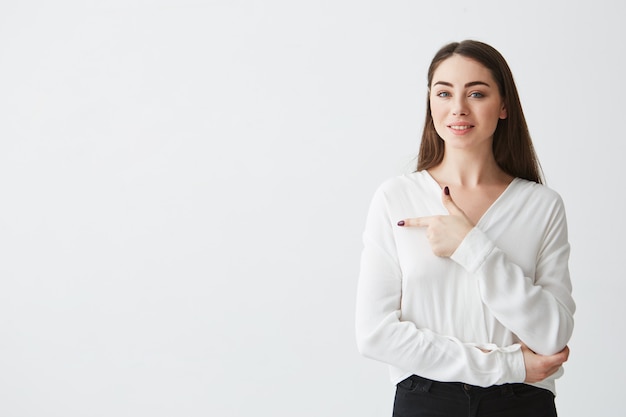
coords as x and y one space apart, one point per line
446 190
401 223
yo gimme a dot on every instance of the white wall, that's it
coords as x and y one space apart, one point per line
183 186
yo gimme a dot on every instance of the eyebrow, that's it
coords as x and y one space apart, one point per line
470 84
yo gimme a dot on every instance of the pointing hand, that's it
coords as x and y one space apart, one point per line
446 232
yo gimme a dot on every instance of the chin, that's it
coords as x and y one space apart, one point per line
466 143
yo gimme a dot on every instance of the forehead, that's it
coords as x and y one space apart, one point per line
458 69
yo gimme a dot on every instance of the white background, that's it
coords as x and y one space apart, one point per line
183 186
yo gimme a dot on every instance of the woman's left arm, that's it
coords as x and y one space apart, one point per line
539 309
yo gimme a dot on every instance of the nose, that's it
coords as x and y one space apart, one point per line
459 107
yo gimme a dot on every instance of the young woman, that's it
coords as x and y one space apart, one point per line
464 288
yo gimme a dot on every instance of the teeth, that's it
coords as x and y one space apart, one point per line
460 127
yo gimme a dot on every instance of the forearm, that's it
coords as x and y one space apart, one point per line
538 310
382 335
442 358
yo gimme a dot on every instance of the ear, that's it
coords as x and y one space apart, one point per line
503 113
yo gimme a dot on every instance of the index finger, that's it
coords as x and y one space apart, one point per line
416 222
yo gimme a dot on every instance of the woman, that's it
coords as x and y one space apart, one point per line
464 288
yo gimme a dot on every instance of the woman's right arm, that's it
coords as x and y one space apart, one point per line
382 334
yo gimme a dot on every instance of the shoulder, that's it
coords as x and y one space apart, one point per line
402 184
402 195
537 196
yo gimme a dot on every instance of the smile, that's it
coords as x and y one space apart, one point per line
460 127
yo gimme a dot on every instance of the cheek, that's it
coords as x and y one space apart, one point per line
437 112
492 115
439 121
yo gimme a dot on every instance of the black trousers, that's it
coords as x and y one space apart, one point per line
421 397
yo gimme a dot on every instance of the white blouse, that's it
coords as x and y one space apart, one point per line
507 282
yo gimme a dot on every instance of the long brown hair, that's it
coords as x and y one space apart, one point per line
512 146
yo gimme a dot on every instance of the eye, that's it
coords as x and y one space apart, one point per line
443 94
476 94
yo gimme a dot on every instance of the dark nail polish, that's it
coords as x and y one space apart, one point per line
446 190
401 223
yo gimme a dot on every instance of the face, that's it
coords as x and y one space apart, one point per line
465 103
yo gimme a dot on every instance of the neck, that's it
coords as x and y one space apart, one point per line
469 169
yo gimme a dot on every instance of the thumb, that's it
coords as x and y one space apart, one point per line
449 203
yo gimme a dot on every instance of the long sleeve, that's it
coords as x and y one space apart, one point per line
539 309
383 335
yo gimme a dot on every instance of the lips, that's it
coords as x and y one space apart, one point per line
460 126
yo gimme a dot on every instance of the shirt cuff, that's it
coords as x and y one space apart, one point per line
473 250
512 362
